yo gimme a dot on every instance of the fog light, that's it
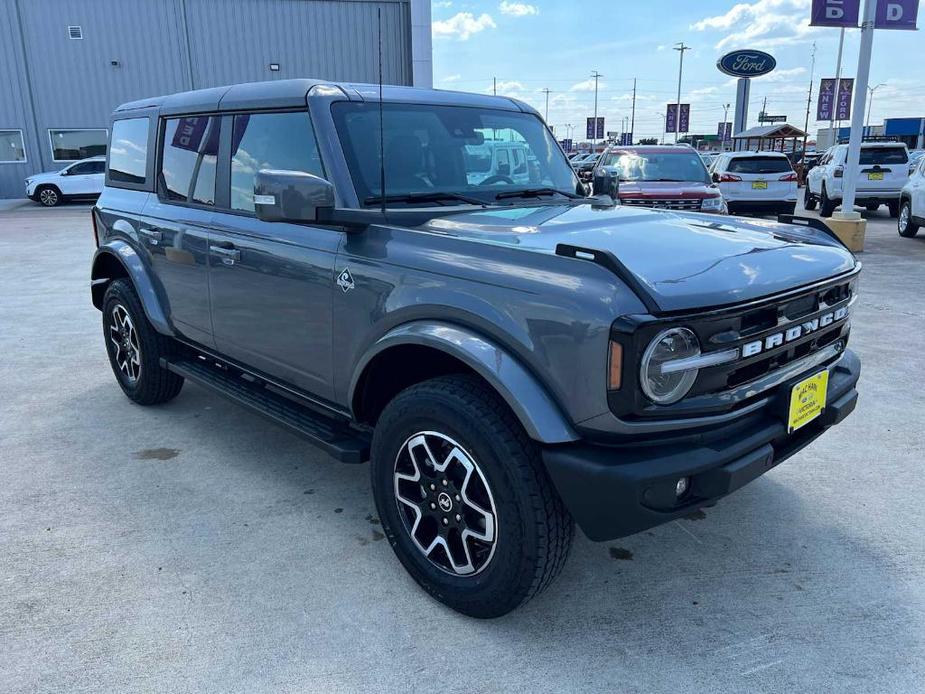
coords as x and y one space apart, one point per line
680 489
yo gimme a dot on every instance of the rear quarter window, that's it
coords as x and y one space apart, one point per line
883 155
128 151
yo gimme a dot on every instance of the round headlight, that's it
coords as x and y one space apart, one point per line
668 345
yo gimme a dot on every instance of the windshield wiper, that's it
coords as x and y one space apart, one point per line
534 193
426 197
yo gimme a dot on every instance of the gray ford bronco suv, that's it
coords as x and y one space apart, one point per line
513 357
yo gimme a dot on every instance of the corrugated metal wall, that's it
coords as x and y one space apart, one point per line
164 46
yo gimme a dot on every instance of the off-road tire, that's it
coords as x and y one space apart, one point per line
826 206
894 208
154 384
904 224
534 530
809 200
48 196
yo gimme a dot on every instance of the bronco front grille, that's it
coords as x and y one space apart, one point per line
663 203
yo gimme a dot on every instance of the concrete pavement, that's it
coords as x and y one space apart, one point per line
195 547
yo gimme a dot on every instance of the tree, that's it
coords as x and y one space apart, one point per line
649 141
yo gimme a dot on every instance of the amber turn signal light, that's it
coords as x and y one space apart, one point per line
615 368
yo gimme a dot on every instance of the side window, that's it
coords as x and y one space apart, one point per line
128 151
188 160
283 141
80 169
504 162
97 167
520 161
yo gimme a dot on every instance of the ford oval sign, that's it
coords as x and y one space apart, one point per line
746 63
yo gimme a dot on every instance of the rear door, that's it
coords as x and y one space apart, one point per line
271 282
175 228
762 177
883 169
83 178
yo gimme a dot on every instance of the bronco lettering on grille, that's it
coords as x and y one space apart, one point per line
750 349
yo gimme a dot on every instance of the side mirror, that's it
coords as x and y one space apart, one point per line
504 169
715 177
290 196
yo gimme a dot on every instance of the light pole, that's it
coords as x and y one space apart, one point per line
546 91
841 45
568 130
871 103
677 116
596 75
663 117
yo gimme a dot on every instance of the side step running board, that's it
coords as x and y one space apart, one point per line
337 438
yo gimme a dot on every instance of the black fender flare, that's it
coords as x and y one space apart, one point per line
123 253
540 416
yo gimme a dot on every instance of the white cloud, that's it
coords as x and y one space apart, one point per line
761 24
450 78
462 25
443 4
507 88
517 9
586 86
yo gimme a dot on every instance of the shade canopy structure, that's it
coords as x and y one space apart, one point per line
776 138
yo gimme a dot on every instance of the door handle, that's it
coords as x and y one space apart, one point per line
153 235
228 255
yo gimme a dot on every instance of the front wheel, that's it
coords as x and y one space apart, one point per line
907 228
464 497
49 196
135 348
809 200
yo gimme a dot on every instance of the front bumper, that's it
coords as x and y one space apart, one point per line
614 491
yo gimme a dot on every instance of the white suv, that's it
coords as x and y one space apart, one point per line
82 179
884 170
756 182
912 202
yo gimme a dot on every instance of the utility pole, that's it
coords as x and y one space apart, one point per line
664 118
841 45
596 75
677 116
494 86
809 99
725 120
546 91
633 116
764 110
870 103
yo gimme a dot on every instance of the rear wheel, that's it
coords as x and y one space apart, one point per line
809 200
907 228
465 499
135 348
872 206
826 206
49 196
894 209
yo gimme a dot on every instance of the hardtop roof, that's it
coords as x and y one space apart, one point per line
293 93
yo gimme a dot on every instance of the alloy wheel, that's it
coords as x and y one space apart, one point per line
48 197
445 503
904 215
124 338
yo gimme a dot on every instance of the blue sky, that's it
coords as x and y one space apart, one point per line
535 44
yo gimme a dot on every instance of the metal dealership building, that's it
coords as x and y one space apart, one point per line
66 64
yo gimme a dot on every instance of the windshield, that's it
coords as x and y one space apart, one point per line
760 165
462 151
657 166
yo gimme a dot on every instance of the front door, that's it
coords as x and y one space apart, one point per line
84 178
271 283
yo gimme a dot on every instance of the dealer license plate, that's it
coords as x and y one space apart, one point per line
760 185
807 400
875 176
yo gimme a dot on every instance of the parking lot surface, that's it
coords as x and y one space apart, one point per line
196 547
